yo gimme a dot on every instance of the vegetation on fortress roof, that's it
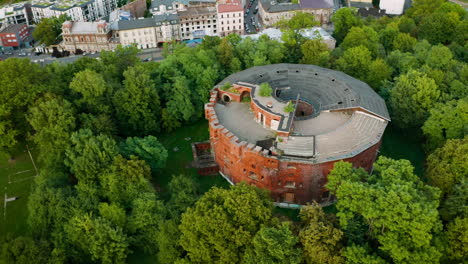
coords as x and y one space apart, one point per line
96 126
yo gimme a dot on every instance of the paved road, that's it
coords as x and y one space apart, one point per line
154 54
465 5
248 18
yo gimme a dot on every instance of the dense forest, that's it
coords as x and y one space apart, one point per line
96 125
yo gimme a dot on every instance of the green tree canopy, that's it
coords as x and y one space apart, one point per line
49 30
148 149
274 245
94 93
320 239
223 223
316 52
355 62
20 82
137 103
90 155
412 97
53 121
400 210
362 36
448 165
457 233
344 19
446 121
97 238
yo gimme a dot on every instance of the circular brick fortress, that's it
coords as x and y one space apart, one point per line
256 140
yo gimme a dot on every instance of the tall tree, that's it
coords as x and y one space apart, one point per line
179 105
49 30
93 92
412 97
137 104
457 233
148 149
379 72
316 52
20 82
125 181
118 60
446 121
274 245
53 121
362 36
448 165
344 19
223 223
90 155
400 210
320 239
355 62
97 238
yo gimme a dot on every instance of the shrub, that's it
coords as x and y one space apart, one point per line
265 89
289 107
226 86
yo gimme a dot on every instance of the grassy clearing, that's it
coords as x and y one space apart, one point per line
398 144
15 179
178 161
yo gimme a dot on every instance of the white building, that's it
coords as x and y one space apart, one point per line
149 32
16 13
393 7
77 10
230 17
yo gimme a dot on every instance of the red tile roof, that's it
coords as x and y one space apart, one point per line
230 6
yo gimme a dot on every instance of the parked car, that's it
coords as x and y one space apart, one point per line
256 10
38 53
248 10
22 54
8 53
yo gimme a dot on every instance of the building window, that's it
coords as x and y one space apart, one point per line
290 184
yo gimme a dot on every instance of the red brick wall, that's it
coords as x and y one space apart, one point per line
241 161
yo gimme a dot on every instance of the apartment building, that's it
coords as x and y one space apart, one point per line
149 32
272 11
77 10
14 36
16 13
87 36
230 17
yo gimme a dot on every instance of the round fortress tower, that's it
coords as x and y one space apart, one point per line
288 142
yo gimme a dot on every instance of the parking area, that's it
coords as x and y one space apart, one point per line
251 21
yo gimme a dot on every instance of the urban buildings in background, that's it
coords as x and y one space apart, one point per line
15 36
272 11
17 13
77 10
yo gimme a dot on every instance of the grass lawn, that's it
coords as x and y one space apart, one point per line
179 160
15 180
399 144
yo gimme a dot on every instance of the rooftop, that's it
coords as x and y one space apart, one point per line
283 6
230 6
80 27
13 28
348 117
147 22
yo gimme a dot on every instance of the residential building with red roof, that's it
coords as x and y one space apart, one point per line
230 17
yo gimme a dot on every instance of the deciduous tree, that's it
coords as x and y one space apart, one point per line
446 121
223 223
412 97
274 245
321 240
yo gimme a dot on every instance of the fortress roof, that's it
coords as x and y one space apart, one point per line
348 117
